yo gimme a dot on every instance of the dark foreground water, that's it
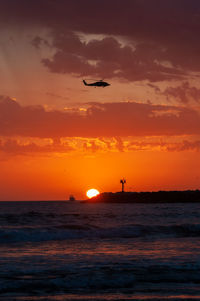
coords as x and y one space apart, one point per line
62 251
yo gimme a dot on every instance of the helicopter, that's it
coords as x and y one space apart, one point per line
99 83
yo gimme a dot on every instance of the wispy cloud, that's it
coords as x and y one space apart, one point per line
183 93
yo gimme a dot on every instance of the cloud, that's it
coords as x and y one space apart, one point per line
156 88
184 146
99 120
180 146
77 145
161 41
107 58
13 146
183 93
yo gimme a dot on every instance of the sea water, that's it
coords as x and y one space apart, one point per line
92 251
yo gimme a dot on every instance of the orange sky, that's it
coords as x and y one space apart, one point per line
59 137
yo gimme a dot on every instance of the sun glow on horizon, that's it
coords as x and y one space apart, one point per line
92 192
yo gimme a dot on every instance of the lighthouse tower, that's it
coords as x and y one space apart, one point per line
123 181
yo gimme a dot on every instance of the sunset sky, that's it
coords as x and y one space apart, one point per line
59 137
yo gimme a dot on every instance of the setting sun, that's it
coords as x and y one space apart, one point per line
91 193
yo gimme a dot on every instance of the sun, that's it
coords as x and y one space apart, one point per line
92 192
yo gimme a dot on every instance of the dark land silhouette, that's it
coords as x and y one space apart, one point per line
186 196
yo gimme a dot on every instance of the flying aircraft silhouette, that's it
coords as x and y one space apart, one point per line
99 83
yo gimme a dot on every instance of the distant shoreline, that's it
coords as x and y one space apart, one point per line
186 196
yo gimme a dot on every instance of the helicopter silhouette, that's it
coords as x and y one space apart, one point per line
99 83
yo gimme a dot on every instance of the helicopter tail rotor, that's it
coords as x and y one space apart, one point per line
85 83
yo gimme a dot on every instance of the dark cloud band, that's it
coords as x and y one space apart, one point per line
100 120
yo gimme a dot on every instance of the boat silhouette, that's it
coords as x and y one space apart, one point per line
72 198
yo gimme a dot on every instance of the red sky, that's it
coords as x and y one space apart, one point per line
59 137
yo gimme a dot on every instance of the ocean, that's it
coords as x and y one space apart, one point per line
94 251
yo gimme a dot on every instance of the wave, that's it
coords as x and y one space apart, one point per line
78 231
135 276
